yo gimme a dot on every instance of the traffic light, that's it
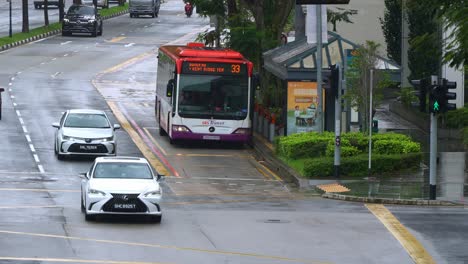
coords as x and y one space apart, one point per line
334 80
445 95
422 85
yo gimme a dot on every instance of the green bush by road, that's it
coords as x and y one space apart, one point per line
311 154
55 26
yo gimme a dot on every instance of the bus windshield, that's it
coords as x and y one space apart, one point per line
213 96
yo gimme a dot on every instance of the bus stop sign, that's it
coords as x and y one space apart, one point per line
322 2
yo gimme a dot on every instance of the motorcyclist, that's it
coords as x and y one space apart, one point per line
188 9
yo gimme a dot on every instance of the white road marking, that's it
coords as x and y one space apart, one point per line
21 121
12 96
12 78
42 63
215 183
232 184
10 84
65 55
129 45
18 113
55 75
28 138
32 148
36 158
54 59
10 90
41 169
65 43
14 104
39 40
25 130
18 73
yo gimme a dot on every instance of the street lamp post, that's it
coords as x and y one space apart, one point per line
10 32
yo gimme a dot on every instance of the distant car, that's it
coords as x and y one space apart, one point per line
41 3
85 132
144 7
82 19
100 3
121 186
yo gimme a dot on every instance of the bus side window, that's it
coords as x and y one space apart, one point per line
170 87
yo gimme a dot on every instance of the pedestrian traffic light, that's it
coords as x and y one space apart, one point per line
445 95
422 86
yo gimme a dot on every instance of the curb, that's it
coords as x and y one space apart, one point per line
48 34
388 200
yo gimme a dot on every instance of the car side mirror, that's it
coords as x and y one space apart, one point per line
160 178
170 87
56 125
116 126
84 175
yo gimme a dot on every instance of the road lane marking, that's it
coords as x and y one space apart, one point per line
65 55
278 178
117 39
264 174
154 141
41 168
31 146
37 259
145 150
12 78
137 244
414 248
36 158
10 84
129 45
25 130
21 121
66 42
18 113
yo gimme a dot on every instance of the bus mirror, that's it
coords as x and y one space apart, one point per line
170 87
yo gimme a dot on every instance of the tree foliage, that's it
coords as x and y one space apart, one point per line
364 59
339 15
391 27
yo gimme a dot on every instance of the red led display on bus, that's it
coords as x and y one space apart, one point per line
214 68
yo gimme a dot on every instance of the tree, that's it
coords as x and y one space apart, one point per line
391 27
25 28
364 59
46 13
342 14
424 52
61 10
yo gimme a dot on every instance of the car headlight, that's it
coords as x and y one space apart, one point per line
107 139
153 193
66 20
91 21
96 192
69 138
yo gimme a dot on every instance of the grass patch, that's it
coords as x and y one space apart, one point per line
54 26
33 32
296 164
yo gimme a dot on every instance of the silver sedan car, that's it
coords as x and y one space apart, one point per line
85 132
121 185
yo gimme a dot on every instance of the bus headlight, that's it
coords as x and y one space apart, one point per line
177 128
242 131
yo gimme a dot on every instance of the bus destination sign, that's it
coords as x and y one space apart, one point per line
214 68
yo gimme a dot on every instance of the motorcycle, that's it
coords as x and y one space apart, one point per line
188 9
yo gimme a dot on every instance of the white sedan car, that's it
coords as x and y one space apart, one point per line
121 185
85 132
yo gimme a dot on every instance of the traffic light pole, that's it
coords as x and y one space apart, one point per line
433 158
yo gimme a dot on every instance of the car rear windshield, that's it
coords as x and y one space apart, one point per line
121 170
81 10
87 121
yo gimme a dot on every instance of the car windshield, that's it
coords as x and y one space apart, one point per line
87 121
81 10
218 96
122 170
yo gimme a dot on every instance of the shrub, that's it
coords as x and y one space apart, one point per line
346 150
395 147
303 145
457 118
357 166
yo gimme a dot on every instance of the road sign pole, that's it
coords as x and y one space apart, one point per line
337 160
371 83
433 158
319 69
10 31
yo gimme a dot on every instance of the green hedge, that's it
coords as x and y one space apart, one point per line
457 118
313 144
357 166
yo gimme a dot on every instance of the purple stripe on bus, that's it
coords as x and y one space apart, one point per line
222 137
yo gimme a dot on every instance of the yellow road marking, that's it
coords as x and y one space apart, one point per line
37 190
149 155
415 249
154 141
117 39
333 187
126 63
75 260
264 174
271 172
210 251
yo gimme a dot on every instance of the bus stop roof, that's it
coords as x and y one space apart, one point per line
296 60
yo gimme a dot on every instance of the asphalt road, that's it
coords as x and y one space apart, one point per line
220 205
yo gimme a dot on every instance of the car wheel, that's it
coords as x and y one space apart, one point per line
83 208
94 34
156 219
131 15
89 217
60 156
153 15
65 33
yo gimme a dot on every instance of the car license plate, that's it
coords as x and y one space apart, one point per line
124 206
211 137
86 147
